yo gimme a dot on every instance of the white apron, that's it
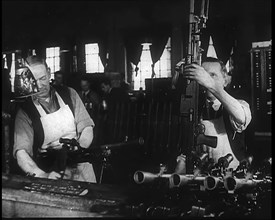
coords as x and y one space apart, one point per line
216 127
61 124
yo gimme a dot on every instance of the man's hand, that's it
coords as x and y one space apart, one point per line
29 166
54 175
54 145
41 174
210 76
210 81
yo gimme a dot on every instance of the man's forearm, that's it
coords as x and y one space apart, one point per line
86 137
27 164
231 104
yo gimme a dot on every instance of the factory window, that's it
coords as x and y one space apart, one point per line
144 67
93 61
53 59
4 60
162 67
12 71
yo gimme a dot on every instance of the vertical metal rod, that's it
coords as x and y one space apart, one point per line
101 173
207 9
202 8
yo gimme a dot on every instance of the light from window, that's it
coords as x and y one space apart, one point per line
162 67
93 61
144 67
4 57
53 59
12 71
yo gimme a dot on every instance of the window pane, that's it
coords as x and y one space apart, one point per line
49 61
100 65
53 58
145 68
93 61
48 52
5 61
57 63
95 49
88 49
57 51
162 67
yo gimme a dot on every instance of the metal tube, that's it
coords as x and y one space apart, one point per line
147 177
177 180
231 183
212 182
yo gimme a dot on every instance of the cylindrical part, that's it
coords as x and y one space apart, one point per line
177 180
225 161
139 141
211 182
232 183
144 177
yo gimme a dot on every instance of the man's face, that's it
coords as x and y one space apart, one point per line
42 77
105 88
58 79
85 85
215 71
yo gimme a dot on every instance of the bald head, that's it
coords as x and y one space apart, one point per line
35 60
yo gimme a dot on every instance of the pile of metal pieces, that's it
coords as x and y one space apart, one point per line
212 190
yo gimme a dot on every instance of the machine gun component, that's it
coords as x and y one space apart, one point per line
232 183
147 177
201 138
212 182
176 180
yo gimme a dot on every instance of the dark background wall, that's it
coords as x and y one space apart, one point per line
40 24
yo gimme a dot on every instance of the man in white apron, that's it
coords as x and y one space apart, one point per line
45 118
230 116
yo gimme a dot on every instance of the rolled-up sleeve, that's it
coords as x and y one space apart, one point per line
82 117
246 110
23 133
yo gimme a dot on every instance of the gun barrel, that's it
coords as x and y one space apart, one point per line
231 183
212 182
225 161
139 141
146 177
177 180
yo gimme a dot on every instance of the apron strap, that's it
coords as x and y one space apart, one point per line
60 100
40 109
